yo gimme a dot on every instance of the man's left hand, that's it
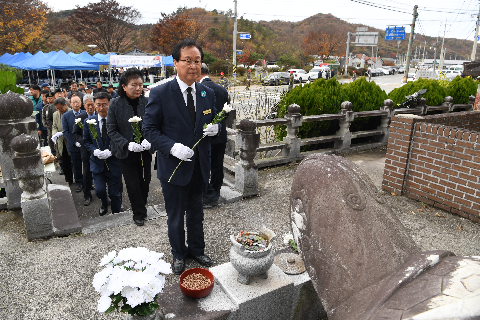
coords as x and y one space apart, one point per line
146 145
211 130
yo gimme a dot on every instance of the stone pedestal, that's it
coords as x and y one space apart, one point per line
36 216
344 131
295 117
15 119
246 171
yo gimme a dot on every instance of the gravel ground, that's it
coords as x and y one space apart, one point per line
51 279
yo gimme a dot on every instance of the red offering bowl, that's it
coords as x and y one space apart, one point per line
197 293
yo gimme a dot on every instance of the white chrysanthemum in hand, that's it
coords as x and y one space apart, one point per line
287 238
92 121
78 120
227 108
135 119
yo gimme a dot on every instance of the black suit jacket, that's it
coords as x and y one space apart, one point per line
77 134
167 121
221 97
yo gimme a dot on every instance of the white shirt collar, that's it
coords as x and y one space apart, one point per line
183 86
100 118
203 79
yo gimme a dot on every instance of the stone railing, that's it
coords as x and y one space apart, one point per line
241 162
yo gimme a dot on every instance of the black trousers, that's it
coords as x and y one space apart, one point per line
216 176
87 178
77 166
180 201
137 176
66 164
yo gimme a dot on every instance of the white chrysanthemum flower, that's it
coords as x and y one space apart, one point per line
108 258
92 121
78 120
104 303
135 119
226 107
101 278
135 297
287 238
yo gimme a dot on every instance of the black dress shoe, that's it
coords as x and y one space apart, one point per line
178 266
139 222
79 188
203 260
87 202
60 172
103 211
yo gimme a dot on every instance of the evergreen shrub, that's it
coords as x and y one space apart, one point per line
434 95
461 88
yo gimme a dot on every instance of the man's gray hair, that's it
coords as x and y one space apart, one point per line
60 100
204 69
86 97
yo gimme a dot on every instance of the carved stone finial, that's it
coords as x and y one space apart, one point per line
388 103
24 144
294 108
347 106
471 99
448 99
247 125
15 106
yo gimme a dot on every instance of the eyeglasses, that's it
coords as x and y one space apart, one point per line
101 105
190 62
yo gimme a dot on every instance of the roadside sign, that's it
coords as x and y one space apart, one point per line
239 52
245 36
478 38
395 33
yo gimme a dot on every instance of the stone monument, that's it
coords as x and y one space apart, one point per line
362 263
15 119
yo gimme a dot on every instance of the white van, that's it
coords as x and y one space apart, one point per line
313 74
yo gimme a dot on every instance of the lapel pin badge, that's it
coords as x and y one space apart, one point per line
203 94
207 111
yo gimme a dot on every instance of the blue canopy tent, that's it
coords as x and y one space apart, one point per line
168 62
5 57
16 58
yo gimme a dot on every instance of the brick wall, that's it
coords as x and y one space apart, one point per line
432 161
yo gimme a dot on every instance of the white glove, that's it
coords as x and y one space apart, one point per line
211 130
97 153
78 144
56 136
146 145
135 147
181 152
106 154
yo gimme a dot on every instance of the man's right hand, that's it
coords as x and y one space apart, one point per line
181 152
98 153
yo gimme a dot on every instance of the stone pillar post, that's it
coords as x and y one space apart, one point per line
448 101
344 131
295 122
422 104
15 119
230 122
246 171
28 166
385 119
471 102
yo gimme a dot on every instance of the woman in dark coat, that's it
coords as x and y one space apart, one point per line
134 158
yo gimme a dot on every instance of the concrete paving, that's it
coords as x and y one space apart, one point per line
52 279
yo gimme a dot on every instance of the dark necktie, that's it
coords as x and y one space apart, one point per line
190 104
104 130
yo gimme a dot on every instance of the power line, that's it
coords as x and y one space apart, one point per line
376 6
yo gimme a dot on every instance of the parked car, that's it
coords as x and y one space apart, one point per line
411 77
299 75
377 72
313 74
276 78
401 70
450 74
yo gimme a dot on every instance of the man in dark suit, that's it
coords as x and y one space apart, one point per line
104 166
77 134
68 120
173 122
99 87
211 196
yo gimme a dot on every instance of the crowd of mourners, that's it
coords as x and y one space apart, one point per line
104 138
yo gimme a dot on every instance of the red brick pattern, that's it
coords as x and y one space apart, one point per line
432 161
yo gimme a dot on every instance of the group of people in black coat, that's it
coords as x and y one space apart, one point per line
172 121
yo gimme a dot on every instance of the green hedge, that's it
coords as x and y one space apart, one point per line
434 95
461 88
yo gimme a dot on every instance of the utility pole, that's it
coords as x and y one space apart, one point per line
407 66
235 35
424 47
442 53
346 55
474 50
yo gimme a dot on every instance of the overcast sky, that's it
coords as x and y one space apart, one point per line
458 16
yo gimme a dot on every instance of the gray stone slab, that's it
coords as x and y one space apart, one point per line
229 195
3 203
176 305
62 210
119 219
264 299
37 219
